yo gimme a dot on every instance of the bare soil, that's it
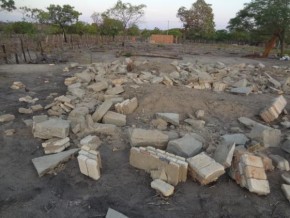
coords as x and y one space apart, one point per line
68 193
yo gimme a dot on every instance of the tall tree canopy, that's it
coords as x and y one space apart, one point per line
198 21
264 17
62 16
127 13
7 5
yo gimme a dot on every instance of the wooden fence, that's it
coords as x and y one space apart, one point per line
26 49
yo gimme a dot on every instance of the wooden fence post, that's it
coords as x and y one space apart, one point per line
5 54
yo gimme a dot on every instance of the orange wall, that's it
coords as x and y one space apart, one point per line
164 39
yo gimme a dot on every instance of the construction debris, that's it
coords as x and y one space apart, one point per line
164 188
6 118
272 112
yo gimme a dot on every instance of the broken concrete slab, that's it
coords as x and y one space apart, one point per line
55 145
267 136
91 141
273 111
115 91
186 146
286 178
127 107
51 128
97 87
247 122
25 110
224 153
6 118
238 139
90 163
196 124
102 110
286 190
114 214
142 137
172 118
280 162
242 90
162 187
114 118
241 83
47 163
286 146
204 169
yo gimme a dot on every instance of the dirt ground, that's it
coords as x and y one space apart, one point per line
68 193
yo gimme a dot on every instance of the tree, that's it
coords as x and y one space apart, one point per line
127 13
110 27
21 27
264 17
198 20
8 5
62 16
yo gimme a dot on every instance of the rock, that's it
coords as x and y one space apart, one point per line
9 132
286 177
97 87
219 86
47 163
204 77
55 145
196 124
127 106
102 110
172 135
242 90
241 83
51 128
273 111
267 136
114 118
156 80
238 139
286 190
199 114
186 146
164 188
247 122
160 124
17 85
25 110
115 91
114 214
90 163
28 99
84 76
204 169
6 118
286 146
70 80
224 154
37 107
169 117
142 137
280 162
78 92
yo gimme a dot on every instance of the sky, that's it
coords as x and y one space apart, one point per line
158 13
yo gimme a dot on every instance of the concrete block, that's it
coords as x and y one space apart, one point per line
97 87
286 190
82 159
286 178
164 188
114 118
273 111
84 76
172 118
25 110
114 214
280 162
260 187
127 106
93 142
142 137
224 154
242 90
102 110
6 118
204 169
115 91
219 86
196 124
255 172
186 146
238 139
251 160
51 128
93 169
55 145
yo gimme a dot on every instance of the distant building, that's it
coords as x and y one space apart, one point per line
162 39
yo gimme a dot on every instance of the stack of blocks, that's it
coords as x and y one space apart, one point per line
90 163
274 110
204 169
249 172
151 159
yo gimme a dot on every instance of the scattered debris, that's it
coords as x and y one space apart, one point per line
164 188
6 118
17 85
280 162
114 214
272 112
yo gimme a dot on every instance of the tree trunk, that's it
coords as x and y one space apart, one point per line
64 33
270 45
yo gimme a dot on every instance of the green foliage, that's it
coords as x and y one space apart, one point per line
263 17
133 31
7 5
127 13
20 28
82 28
198 21
175 32
110 27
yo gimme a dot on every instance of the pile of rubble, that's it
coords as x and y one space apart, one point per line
94 106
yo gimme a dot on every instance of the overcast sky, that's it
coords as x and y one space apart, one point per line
157 14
